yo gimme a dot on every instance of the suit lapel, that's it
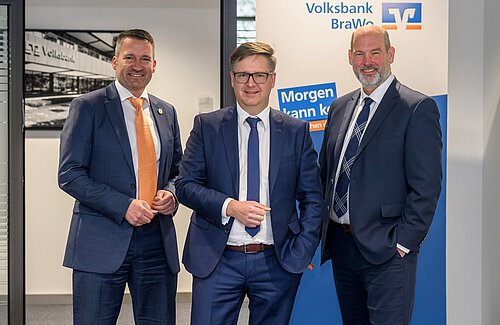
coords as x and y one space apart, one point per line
115 113
386 105
229 130
162 127
276 146
346 119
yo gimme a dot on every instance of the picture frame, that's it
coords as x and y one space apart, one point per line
59 66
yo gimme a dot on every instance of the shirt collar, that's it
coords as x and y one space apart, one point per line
124 93
264 116
379 92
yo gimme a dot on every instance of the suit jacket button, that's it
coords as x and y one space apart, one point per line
132 186
226 231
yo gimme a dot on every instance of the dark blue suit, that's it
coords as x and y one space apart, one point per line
209 174
394 188
96 169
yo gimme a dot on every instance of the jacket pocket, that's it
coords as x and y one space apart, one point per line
199 221
392 210
391 135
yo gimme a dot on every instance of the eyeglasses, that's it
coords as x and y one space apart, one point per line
258 77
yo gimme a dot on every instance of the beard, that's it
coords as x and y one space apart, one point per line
381 75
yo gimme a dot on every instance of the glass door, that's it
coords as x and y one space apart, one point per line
4 221
11 163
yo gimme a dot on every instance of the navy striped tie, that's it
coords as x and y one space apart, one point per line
340 196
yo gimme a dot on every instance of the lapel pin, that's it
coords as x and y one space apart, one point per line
160 111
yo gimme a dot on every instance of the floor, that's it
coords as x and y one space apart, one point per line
61 314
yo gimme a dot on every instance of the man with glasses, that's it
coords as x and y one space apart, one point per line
244 170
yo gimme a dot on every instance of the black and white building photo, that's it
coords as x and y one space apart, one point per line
61 65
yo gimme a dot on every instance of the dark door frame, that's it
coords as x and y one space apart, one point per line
16 256
228 44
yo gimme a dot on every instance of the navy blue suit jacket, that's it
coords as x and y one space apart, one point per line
396 176
96 169
209 174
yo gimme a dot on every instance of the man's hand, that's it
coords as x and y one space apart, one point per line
139 213
401 253
164 202
249 213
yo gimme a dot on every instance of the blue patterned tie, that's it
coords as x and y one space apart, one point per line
340 196
253 175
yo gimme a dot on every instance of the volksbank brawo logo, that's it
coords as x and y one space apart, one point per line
402 16
344 14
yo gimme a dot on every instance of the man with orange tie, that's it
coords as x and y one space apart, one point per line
119 157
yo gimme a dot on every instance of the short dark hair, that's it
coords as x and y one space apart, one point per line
254 48
138 34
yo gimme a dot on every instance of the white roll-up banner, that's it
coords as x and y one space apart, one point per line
311 39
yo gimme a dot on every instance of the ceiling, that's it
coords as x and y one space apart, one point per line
126 3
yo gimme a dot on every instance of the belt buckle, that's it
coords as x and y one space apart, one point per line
346 228
248 252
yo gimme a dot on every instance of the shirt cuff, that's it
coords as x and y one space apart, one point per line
225 217
404 249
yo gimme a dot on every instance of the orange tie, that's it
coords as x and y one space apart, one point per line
146 154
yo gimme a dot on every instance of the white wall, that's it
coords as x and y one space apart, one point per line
473 223
187 51
465 150
491 171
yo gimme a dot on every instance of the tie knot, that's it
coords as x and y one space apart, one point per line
368 101
252 121
136 102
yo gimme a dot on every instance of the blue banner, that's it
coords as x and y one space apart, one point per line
308 103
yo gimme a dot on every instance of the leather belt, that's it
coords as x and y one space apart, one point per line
345 227
250 248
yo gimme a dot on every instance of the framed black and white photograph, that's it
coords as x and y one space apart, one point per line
61 65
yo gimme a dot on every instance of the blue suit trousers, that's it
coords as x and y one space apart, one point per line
98 297
270 289
380 294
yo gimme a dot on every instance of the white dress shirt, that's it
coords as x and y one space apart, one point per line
238 236
129 114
